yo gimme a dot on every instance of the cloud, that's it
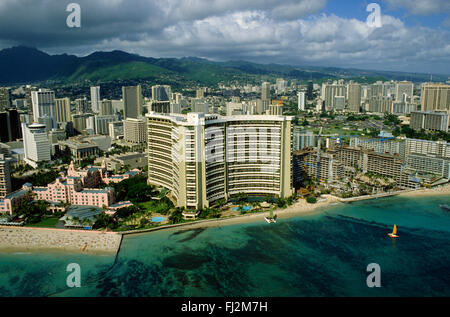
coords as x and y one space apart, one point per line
422 7
291 32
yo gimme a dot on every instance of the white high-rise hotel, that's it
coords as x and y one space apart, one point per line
202 158
35 143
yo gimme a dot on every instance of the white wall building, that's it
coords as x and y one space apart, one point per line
43 102
95 99
36 144
301 101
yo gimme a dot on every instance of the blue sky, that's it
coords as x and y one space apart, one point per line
414 36
357 9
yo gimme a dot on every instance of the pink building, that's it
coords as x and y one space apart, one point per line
70 190
11 201
92 176
77 188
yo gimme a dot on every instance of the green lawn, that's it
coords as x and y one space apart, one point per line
45 223
147 206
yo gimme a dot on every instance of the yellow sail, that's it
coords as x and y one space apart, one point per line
395 230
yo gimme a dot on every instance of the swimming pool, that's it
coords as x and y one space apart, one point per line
157 219
245 208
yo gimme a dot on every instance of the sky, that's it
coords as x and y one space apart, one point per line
413 35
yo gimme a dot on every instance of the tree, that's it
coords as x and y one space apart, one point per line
104 221
311 200
176 216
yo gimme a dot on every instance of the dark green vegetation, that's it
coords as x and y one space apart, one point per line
33 211
422 134
25 65
135 190
41 178
46 222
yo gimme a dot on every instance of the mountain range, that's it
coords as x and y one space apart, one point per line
20 65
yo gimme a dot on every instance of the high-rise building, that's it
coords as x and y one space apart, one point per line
281 86
161 93
5 98
404 88
202 158
36 144
339 103
303 138
330 91
389 88
95 99
29 102
301 101
160 106
62 110
43 104
106 108
427 120
265 91
354 97
82 105
429 157
102 123
10 129
380 104
134 130
435 97
132 101
80 122
377 90
309 93
116 130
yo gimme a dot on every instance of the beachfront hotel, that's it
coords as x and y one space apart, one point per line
201 158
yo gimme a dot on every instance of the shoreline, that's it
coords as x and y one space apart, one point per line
438 191
29 239
73 241
300 208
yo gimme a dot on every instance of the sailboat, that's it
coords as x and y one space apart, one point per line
393 234
271 218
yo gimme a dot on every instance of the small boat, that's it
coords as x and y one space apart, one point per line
445 207
271 218
393 234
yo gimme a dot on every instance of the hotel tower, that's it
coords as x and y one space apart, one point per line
201 158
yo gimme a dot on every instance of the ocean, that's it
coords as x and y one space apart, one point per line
325 253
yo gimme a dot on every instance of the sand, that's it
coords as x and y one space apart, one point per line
438 191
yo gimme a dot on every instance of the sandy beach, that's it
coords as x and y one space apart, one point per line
439 191
25 239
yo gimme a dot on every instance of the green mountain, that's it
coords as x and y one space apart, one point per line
21 65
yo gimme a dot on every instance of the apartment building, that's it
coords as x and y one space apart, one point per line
435 97
135 130
346 161
427 120
428 157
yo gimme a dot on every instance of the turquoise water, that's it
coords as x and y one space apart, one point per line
245 208
323 254
158 219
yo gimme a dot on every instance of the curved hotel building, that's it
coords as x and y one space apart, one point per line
203 157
